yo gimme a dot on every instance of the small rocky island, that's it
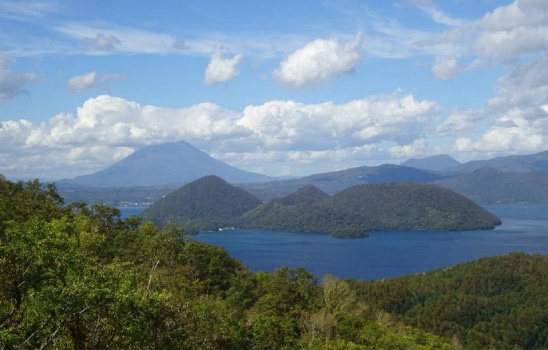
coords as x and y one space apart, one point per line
210 203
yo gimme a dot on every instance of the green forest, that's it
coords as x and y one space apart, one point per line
77 276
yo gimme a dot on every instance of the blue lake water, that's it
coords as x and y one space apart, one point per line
129 211
387 254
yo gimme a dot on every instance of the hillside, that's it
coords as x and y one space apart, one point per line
514 163
488 185
176 162
334 182
201 205
436 163
376 207
307 195
491 303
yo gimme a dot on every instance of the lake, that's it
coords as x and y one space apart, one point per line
387 254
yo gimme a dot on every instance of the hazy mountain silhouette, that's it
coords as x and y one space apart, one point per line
515 163
177 162
437 163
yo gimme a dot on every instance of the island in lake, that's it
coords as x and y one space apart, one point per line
210 203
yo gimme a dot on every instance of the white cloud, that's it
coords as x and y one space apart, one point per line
518 31
519 136
459 121
315 135
520 113
319 61
221 69
102 42
297 126
525 87
446 68
81 83
11 83
417 148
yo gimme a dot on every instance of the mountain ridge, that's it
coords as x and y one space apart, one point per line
336 181
437 162
490 185
512 163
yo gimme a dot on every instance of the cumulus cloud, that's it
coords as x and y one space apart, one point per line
11 83
81 83
418 147
319 61
292 125
260 136
517 135
221 69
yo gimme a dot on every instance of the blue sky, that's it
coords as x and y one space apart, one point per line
276 87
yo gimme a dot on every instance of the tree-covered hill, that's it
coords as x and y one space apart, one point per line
201 205
377 207
491 303
307 195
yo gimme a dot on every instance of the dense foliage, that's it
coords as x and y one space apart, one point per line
376 207
491 303
79 277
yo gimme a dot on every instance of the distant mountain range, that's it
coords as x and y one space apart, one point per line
488 185
337 181
210 202
152 172
514 163
438 162
169 163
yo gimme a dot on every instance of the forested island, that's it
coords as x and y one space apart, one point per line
79 277
210 203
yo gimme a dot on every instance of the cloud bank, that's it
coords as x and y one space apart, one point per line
106 128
